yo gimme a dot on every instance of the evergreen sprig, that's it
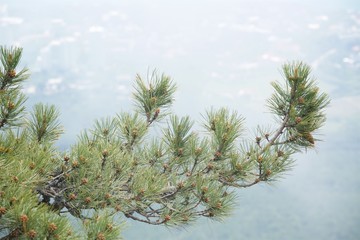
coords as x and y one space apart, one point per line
10 58
44 125
299 105
155 96
12 108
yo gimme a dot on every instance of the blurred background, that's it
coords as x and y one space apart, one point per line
84 55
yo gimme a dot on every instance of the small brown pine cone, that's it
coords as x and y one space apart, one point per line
2 210
11 73
100 236
84 181
309 138
24 218
52 227
72 196
88 200
32 234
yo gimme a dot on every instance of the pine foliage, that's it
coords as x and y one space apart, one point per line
119 170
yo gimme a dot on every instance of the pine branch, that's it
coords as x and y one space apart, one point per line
172 179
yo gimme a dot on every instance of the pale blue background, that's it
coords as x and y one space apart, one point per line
83 56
